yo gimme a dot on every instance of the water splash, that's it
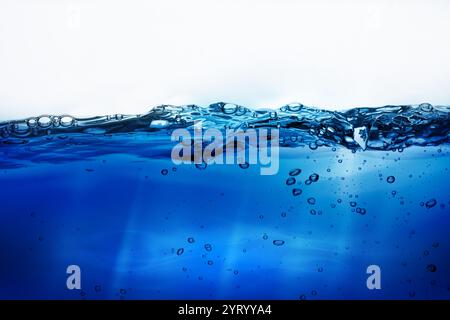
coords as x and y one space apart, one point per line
383 128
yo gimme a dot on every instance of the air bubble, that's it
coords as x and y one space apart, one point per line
229 108
278 242
361 211
201 166
32 123
314 177
290 181
296 192
244 165
431 268
390 179
44 122
67 121
180 251
208 247
295 172
313 145
430 203
312 201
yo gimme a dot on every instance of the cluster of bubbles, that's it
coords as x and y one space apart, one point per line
383 128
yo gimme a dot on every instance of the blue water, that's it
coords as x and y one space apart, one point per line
103 193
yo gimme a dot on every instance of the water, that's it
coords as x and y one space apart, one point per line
356 188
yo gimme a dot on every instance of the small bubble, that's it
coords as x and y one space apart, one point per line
164 172
312 201
290 181
314 293
426 253
236 272
314 177
208 247
340 160
394 192
312 212
229 108
352 204
180 251
201 166
308 182
244 165
98 288
265 236
278 242
191 240
295 172
210 262
32 122
313 146
296 192
430 203
320 269
390 179
67 121
361 211
283 214
123 291
44 121
302 297
431 268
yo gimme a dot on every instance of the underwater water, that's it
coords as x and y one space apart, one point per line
368 186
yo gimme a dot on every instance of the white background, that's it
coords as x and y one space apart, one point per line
92 57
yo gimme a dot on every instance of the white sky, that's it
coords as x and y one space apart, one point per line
91 57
